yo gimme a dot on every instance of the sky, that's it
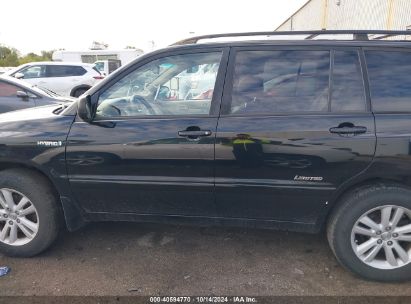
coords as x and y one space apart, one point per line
35 25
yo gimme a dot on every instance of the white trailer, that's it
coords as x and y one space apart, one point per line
91 56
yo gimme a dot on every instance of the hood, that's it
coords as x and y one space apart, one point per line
65 99
32 114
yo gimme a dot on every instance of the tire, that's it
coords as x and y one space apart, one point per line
79 92
47 217
373 201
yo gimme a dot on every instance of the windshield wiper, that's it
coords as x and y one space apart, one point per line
50 92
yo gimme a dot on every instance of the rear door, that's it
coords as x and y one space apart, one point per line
294 126
62 78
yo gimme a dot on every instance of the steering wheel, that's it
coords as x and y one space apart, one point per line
140 100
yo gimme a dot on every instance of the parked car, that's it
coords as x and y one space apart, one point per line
16 94
63 78
304 135
108 66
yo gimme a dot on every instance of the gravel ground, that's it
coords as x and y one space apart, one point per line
152 259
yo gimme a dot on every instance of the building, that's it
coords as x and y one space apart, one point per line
350 14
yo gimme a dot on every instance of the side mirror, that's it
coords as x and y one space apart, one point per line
23 95
19 75
85 111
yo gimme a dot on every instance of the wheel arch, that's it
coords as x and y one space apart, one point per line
338 197
74 217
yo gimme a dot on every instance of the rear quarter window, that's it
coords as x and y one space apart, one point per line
390 82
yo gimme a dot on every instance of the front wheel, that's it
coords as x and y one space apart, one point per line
370 232
29 213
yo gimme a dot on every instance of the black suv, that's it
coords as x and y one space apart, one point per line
301 135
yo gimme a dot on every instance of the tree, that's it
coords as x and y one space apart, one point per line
8 57
32 57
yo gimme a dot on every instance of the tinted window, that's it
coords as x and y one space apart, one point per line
390 81
36 71
280 81
174 85
64 71
348 87
8 90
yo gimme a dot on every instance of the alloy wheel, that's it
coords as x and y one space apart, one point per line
381 237
19 221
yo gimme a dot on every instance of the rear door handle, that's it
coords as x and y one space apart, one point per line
348 130
196 133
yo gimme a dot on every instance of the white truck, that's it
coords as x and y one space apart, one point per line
103 56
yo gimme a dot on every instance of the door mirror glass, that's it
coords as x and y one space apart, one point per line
85 109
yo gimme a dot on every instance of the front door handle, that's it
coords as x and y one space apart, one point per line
348 130
194 133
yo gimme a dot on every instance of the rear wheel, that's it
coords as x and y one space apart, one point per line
29 213
370 232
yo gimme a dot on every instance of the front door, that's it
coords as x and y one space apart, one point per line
150 149
286 138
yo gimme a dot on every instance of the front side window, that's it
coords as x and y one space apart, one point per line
280 82
36 71
8 90
390 82
174 85
348 93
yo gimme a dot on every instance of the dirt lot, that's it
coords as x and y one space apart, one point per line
150 259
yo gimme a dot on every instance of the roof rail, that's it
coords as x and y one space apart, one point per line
357 35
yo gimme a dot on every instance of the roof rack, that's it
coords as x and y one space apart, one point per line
360 35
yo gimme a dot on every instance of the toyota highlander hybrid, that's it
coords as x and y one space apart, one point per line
303 135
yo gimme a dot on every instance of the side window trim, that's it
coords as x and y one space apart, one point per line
366 80
331 80
218 87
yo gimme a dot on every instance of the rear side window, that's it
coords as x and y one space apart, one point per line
65 71
390 82
280 82
8 90
347 83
